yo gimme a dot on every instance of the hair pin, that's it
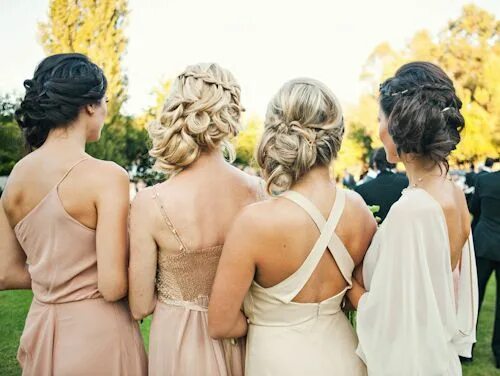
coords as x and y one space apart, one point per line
445 109
399 93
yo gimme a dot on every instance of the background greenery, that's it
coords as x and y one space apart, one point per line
468 48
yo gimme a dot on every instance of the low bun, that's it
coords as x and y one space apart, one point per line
201 113
61 85
303 129
423 111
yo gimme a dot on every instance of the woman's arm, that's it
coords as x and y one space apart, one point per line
112 206
354 294
234 275
143 258
13 271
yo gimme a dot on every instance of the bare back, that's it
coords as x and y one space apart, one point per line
452 202
291 234
201 205
38 173
90 192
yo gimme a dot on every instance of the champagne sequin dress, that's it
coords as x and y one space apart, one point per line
179 340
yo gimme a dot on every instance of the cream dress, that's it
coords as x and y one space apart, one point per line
289 338
414 320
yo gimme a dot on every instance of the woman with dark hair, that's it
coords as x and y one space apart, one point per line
419 311
63 225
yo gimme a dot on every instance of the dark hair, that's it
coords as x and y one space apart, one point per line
380 159
423 111
61 85
489 162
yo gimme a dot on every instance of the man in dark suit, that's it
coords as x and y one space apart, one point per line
485 206
386 188
483 170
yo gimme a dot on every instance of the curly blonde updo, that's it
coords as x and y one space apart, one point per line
200 114
303 129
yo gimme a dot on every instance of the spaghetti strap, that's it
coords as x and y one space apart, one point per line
156 198
69 170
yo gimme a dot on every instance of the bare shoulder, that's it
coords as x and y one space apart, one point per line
260 219
106 172
143 200
22 171
356 207
357 226
254 184
22 175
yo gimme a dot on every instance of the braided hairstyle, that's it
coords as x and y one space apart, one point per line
303 129
61 85
201 113
423 111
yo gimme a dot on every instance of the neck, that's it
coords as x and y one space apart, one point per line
315 180
71 138
418 169
208 158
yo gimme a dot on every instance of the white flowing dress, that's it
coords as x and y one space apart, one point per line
412 321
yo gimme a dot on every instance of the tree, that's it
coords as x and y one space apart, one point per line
96 29
468 49
246 142
160 94
11 139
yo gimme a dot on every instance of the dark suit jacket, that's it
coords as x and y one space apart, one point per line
384 191
470 179
469 199
485 206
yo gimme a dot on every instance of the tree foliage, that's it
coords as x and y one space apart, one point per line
246 142
96 29
11 139
468 49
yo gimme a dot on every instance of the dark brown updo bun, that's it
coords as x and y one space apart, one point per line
423 111
61 86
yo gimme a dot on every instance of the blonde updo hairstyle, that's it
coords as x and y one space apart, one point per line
200 114
303 129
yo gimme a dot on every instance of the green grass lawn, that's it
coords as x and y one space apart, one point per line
14 306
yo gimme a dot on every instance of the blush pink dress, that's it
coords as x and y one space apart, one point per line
70 329
179 341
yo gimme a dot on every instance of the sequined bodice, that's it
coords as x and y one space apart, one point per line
187 277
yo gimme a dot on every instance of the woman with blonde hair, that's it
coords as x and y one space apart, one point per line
178 227
289 260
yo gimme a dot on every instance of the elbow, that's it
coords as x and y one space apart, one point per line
215 332
217 329
139 313
113 293
113 296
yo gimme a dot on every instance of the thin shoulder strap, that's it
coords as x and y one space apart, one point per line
261 190
335 245
290 287
70 169
156 198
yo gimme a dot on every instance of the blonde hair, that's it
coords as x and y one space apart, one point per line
303 128
200 114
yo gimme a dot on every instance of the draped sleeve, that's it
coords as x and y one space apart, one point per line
409 321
